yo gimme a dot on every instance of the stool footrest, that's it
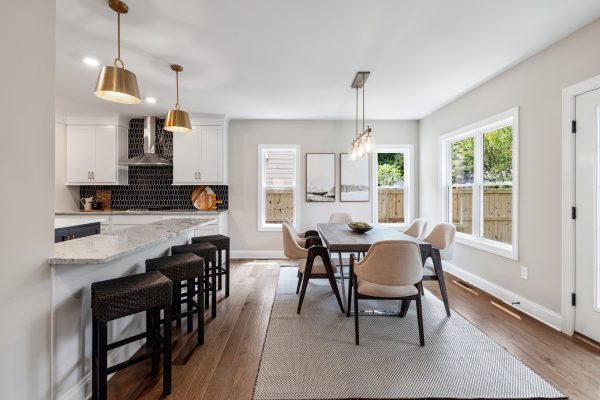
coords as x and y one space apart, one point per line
123 342
132 361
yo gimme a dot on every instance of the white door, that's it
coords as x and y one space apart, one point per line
211 155
587 181
80 154
185 157
105 169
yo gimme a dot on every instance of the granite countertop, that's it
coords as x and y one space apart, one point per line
125 212
64 222
103 248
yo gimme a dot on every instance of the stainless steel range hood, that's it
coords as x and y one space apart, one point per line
149 158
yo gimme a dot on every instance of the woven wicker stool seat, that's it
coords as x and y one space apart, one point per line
115 298
178 267
188 268
222 244
209 253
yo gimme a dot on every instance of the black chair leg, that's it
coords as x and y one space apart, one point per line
333 284
102 360
420 318
437 264
227 273
95 375
349 296
206 284
355 313
149 328
299 282
404 308
166 351
303 291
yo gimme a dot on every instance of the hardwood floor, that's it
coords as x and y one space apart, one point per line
225 366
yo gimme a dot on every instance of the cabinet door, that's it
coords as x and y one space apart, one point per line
80 154
185 157
105 143
211 154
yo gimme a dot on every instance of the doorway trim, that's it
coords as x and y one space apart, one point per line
568 199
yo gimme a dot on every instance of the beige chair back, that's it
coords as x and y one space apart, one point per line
299 239
442 238
291 248
391 263
340 218
417 228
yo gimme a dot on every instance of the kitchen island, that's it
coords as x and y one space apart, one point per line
76 264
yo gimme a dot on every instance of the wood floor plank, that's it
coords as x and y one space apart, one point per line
225 367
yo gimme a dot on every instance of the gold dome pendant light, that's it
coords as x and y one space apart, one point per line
177 120
115 83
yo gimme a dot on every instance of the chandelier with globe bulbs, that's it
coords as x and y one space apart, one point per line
363 143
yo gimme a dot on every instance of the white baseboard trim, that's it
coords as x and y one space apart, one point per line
257 254
534 310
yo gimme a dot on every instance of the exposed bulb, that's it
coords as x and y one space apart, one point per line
361 149
369 144
353 152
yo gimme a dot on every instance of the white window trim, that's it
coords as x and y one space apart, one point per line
261 227
498 120
409 193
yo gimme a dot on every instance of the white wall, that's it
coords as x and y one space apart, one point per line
27 175
535 86
313 137
66 198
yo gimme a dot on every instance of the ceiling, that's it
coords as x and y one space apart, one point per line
295 59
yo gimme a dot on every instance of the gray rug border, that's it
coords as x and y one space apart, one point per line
408 398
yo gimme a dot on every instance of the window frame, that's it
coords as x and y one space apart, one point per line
261 225
477 130
409 193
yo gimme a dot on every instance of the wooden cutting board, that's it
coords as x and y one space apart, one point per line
201 198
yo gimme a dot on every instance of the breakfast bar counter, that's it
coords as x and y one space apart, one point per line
76 264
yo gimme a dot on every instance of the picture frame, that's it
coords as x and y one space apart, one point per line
355 178
320 178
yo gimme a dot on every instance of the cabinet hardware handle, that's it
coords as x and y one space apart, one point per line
89 175
93 175
199 175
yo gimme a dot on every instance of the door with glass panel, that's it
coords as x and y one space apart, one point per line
587 182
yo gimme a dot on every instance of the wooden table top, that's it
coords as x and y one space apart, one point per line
339 237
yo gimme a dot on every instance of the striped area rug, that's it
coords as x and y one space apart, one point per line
313 355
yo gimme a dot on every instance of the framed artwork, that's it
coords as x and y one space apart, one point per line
355 180
320 177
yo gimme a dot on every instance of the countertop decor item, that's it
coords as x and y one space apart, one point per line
363 143
204 198
177 120
360 227
104 196
115 83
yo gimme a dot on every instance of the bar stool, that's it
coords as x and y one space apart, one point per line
208 253
181 268
222 243
120 297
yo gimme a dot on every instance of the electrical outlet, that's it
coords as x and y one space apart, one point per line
524 272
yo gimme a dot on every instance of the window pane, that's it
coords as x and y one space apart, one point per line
497 155
462 160
462 206
497 213
279 166
390 187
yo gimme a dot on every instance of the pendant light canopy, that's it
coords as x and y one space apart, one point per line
177 120
363 143
115 83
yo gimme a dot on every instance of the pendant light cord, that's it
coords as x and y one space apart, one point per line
118 59
363 108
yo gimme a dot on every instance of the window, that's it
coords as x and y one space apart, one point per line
479 174
392 192
278 190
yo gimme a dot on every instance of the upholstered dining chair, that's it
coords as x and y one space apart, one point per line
313 262
304 234
340 218
442 239
391 270
417 228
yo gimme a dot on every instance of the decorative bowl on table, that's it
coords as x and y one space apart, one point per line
360 227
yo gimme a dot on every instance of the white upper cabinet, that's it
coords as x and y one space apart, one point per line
198 156
93 155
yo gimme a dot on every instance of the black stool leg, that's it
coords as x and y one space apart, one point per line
155 341
102 360
220 262
148 329
167 352
227 272
200 312
206 283
213 311
94 357
177 301
190 299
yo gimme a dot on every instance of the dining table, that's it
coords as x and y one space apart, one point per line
340 238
